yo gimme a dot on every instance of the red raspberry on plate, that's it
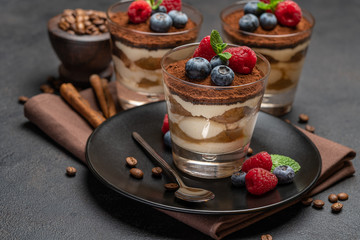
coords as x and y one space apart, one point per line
172 5
243 59
288 13
259 181
139 11
205 49
165 126
259 160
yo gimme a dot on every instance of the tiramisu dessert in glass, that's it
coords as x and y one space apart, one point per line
279 30
141 33
213 93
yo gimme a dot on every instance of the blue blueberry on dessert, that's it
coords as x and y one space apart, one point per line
222 75
160 22
197 68
284 173
179 18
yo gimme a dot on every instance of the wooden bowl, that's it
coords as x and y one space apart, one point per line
80 56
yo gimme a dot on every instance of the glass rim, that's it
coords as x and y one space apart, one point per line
304 13
198 25
258 55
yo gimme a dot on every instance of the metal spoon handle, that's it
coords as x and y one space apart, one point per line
157 157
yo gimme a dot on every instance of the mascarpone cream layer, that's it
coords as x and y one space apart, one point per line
135 54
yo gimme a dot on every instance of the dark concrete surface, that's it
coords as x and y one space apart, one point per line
37 200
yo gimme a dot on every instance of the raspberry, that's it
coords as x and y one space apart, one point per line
165 126
139 11
172 5
259 181
260 160
288 13
243 59
205 49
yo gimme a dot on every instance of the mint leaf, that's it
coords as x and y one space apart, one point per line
154 5
216 41
225 56
269 6
279 160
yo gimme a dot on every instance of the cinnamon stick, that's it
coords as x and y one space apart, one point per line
73 97
109 100
103 95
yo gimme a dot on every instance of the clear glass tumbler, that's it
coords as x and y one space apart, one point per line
286 54
137 52
211 126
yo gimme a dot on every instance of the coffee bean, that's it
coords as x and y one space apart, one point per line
303 118
64 25
336 207
343 196
250 151
171 186
131 161
287 120
70 171
318 203
23 99
333 198
266 237
46 88
136 173
310 128
157 171
307 201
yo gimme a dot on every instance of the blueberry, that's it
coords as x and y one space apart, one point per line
179 18
222 75
252 7
160 22
238 179
285 174
268 21
249 22
197 68
167 139
216 61
159 9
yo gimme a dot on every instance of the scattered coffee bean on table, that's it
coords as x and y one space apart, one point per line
156 171
46 88
307 201
287 120
336 207
171 186
266 237
310 128
70 171
318 203
333 198
131 161
303 118
23 99
343 196
250 151
136 173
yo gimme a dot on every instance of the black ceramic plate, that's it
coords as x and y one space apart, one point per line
112 142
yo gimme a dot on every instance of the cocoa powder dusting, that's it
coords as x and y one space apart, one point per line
207 95
232 31
121 29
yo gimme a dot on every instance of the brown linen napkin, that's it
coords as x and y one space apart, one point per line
57 119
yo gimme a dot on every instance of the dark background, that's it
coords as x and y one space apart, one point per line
37 200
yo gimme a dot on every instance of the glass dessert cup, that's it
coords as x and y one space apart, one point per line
286 54
211 126
137 54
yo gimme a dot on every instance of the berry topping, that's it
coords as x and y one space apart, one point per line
216 61
268 21
205 49
160 22
197 68
243 59
285 174
139 11
179 18
259 181
159 9
260 160
238 179
252 7
172 5
167 139
222 75
249 22
288 13
165 126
